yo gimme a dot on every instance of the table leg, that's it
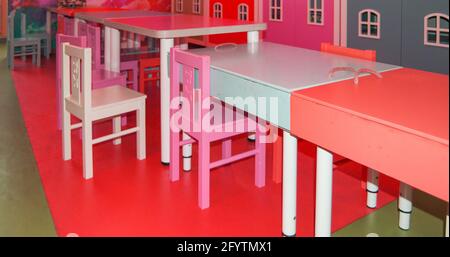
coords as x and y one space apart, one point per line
115 66
372 188
166 45
446 225
289 184
324 187
252 37
75 28
405 206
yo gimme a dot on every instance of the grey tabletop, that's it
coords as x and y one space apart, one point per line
284 67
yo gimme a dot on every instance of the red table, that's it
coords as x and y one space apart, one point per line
397 125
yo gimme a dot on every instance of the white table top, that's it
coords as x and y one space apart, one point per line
284 67
182 25
100 17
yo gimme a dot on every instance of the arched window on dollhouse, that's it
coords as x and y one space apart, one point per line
436 30
369 24
217 10
243 12
179 6
276 10
196 6
315 12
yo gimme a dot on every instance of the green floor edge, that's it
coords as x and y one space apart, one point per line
23 206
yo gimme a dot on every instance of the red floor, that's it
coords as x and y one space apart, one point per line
128 197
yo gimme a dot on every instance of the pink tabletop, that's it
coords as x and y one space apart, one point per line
182 25
70 12
406 113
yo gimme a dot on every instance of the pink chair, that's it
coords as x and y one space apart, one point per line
69 26
82 28
100 78
128 64
195 97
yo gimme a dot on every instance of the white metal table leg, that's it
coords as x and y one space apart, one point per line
372 188
75 29
166 45
252 37
115 66
107 48
324 188
405 206
289 185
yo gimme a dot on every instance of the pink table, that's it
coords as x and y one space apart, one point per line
166 28
397 125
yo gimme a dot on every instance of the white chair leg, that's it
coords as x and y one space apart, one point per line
66 132
405 206
140 137
187 154
446 226
39 54
372 188
117 126
88 172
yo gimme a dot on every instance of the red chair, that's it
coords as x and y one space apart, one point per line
149 70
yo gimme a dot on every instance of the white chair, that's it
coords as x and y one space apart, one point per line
89 105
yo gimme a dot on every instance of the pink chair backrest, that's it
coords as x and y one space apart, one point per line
76 74
69 26
93 42
370 55
82 29
194 89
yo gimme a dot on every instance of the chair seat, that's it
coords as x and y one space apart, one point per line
40 35
102 75
24 41
114 95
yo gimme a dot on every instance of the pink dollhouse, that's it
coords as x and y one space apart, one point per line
302 23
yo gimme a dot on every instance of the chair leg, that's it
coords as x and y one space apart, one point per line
24 57
135 78
277 158
33 55
203 174
226 148
117 126
140 137
260 159
174 168
47 47
66 133
39 54
187 154
88 172
372 188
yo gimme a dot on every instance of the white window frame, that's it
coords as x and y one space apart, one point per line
218 10
274 8
437 29
179 5
369 24
315 10
196 6
243 13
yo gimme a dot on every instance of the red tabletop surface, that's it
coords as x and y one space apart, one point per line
404 115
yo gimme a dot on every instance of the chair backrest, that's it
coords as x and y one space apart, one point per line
60 39
69 26
370 55
60 20
93 42
82 28
190 75
76 75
